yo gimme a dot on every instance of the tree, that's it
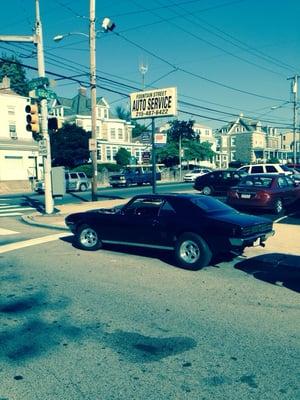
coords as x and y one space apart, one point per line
12 68
194 150
138 129
181 130
123 157
70 146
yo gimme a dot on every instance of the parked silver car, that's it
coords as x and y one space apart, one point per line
192 175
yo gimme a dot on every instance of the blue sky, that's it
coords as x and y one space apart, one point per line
224 56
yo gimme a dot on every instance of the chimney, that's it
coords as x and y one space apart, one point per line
5 84
82 91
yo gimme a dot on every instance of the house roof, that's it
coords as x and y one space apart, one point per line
79 104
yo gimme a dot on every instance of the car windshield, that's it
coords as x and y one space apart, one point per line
209 204
256 181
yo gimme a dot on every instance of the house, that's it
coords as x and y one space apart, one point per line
287 143
19 159
248 141
112 132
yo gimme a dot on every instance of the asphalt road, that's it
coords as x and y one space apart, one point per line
130 325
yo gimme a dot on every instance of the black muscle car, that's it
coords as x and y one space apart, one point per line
195 227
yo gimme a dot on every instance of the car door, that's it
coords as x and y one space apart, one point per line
136 223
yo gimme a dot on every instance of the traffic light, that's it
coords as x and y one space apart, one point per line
32 120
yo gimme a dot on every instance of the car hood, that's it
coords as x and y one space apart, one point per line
239 219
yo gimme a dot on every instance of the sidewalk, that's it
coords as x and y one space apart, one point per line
57 220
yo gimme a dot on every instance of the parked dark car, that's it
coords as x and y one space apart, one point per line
218 181
194 227
264 191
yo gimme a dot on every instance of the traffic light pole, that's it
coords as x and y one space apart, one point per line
49 204
37 39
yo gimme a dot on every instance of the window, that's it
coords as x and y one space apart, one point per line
108 153
120 133
114 151
12 130
167 210
233 141
282 183
206 132
270 168
113 133
144 207
257 169
11 110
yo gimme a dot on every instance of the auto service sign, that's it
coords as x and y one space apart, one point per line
154 103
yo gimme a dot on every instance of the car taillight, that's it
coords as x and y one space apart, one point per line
262 196
233 194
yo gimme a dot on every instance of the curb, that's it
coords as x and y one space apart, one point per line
28 219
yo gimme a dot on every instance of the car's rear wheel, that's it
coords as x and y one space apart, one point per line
83 187
278 206
192 252
207 190
87 238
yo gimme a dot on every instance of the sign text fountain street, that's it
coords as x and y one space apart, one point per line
153 104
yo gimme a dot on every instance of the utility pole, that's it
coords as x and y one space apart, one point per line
92 40
294 90
44 112
37 39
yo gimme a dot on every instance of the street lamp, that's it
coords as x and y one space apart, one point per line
107 25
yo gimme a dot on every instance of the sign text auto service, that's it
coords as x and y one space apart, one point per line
154 103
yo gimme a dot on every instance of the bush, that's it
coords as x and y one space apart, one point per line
88 168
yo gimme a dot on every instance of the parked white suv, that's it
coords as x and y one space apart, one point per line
266 169
75 181
192 175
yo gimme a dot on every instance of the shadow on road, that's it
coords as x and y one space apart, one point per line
275 268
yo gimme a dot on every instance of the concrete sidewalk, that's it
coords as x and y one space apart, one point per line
286 239
57 220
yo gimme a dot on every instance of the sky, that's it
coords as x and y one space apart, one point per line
226 57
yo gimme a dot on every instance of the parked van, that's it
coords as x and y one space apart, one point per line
266 169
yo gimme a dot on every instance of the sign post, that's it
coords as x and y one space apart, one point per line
153 104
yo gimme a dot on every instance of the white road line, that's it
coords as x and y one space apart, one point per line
7 232
14 208
4 204
12 214
32 242
284 217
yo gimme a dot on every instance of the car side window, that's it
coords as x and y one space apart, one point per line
270 168
166 210
73 175
144 207
282 183
257 169
290 181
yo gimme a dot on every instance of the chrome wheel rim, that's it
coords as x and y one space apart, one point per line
206 190
189 252
88 237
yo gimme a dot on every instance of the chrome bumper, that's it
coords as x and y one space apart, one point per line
238 242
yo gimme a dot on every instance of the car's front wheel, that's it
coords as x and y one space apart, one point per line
192 252
207 190
87 238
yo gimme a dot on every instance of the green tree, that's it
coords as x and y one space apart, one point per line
69 146
181 130
138 129
122 157
194 150
11 67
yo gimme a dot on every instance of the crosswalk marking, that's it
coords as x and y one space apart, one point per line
13 210
7 232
